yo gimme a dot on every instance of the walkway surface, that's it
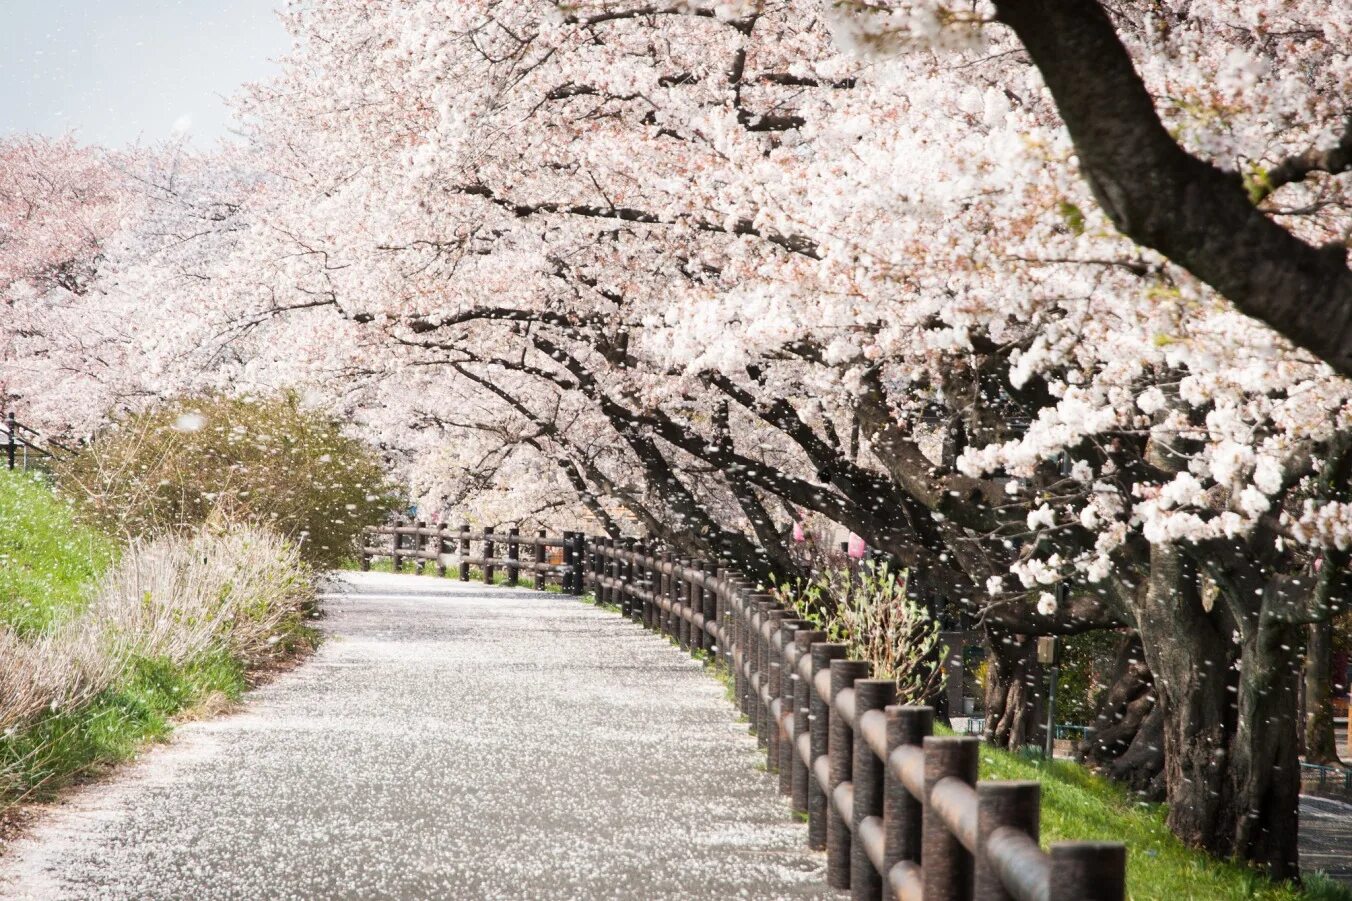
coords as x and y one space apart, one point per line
447 741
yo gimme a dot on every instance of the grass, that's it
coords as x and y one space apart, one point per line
1077 804
59 748
48 561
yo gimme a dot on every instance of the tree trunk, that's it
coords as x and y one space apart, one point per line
1265 765
1127 742
1187 649
1320 744
1013 689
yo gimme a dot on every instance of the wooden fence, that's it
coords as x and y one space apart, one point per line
23 447
899 811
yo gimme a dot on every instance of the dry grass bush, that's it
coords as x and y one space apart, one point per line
231 588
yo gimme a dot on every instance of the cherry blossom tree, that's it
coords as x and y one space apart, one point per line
700 270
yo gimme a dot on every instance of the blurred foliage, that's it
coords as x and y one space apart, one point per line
262 460
1086 668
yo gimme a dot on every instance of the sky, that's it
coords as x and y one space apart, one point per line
119 72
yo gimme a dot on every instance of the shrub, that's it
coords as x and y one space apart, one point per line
866 607
177 618
266 461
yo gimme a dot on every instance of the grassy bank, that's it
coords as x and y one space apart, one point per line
1076 804
102 648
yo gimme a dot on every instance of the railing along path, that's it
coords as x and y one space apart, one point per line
899 811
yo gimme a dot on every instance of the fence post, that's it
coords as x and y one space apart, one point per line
653 578
396 545
489 551
464 553
866 883
419 546
945 865
627 580
441 549
694 603
1088 871
661 621
1002 804
770 662
902 813
678 596
569 560
579 554
513 556
787 630
612 571
840 751
638 607
708 609
820 717
756 606
803 640
11 439
364 550
541 558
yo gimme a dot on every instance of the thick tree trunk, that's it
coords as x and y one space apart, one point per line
1320 743
1127 742
1187 649
1264 802
1232 771
1013 689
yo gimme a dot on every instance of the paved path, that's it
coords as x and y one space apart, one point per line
447 741
1326 837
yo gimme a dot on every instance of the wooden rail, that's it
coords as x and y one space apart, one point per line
899 811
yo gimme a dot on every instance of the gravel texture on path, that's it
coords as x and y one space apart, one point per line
448 740
1326 837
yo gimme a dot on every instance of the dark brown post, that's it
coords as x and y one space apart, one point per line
769 660
818 804
866 883
612 571
803 639
694 602
11 439
419 547
364 549
569 562
626 570
489 551
945 865
903 814
683 588
575 572
441 549
513 555
844 673
709 610
757 606
639 607
1088 871
464 553
396 545
662 622
787 629
541 558
999 804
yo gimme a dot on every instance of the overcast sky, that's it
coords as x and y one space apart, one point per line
120 71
